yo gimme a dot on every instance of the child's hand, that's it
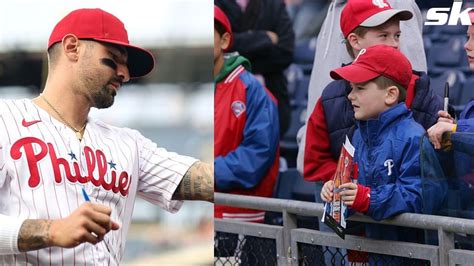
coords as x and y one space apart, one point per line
327 191
436 132
444 116
348 194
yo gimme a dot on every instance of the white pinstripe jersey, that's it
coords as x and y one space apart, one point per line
43 167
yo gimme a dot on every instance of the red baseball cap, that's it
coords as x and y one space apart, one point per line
220 16
96 24
375 61
368 13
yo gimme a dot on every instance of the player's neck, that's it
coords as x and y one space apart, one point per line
72 108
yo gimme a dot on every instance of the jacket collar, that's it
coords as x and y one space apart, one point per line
231 62
372 128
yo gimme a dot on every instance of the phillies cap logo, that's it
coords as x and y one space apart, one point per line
379 3
238 108
360 53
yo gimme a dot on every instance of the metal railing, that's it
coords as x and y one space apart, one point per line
288 237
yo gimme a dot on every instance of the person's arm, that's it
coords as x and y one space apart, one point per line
465 125
319 164
89 223
265 55
445 124
244 167
426 103
197 183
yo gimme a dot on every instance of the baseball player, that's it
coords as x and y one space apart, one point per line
67 182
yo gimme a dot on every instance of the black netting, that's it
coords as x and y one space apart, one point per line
233 249
321 255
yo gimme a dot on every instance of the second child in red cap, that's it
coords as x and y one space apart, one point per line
246 144
363 24
387 144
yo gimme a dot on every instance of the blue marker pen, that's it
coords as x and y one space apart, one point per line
86 197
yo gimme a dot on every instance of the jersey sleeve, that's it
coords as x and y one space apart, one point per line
160 173
3 153
9 226
9 230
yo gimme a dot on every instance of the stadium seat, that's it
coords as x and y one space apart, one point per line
302 190
304 51
288 145
467 92
455 79
291 185
293 74
443 32
285 183
300 96
447 55
427 43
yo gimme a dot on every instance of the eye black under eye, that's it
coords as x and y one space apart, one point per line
109 62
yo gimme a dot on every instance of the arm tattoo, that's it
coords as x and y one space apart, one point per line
34 234
197 183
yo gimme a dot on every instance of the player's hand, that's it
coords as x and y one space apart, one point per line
444 116
273 37
89 223
327 191
348 193
435 133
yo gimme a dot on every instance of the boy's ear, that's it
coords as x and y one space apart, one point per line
354 40
225 41
391 98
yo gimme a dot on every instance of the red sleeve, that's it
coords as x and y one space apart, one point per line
362 199
319 164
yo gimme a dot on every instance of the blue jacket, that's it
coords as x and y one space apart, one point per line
466 119
246 138
340 115
393 139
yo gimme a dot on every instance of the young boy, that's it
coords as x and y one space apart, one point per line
246 138
387 142
363 23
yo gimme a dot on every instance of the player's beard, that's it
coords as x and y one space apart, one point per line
104 97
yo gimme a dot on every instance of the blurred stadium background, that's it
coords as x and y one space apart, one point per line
173 106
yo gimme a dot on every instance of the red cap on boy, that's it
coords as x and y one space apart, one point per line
368 13
375 61
220 16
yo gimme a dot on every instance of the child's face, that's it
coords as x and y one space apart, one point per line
368 100
469 46
387 33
